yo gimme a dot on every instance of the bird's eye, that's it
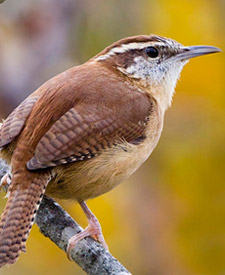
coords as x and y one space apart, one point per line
152 52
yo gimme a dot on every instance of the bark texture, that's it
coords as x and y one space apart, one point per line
56 224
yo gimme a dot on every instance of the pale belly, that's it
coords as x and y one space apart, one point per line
84 180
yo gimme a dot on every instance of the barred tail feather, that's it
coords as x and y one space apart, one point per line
18 216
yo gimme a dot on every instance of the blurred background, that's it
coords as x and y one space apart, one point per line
168 218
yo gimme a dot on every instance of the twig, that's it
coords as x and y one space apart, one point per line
56 224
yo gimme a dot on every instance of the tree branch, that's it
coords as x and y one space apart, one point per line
56 224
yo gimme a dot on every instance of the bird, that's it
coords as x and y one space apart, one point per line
86 130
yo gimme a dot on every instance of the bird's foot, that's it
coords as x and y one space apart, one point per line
5 182
92 230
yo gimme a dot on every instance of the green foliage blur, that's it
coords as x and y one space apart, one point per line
168 218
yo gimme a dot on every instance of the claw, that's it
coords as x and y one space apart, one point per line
92 230
5 182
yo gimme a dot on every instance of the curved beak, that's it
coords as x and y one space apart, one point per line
194 51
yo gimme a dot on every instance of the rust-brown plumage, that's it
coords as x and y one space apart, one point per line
66 121
80 134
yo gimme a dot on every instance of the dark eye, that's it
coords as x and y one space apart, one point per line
152 52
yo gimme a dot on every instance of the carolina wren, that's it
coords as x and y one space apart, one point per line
86 130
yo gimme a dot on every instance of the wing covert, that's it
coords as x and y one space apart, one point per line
85 130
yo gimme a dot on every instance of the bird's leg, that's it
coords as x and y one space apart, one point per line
92 230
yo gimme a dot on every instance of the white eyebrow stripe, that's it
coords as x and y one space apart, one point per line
126 47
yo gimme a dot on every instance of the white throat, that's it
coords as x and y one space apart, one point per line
161 78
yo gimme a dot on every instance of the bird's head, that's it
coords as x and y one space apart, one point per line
153 61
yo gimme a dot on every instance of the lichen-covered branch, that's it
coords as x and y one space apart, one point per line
56 224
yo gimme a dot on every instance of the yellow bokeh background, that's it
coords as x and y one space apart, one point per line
169 217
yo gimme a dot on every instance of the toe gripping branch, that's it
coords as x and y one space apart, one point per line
56 224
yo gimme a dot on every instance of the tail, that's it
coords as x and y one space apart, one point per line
18 216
